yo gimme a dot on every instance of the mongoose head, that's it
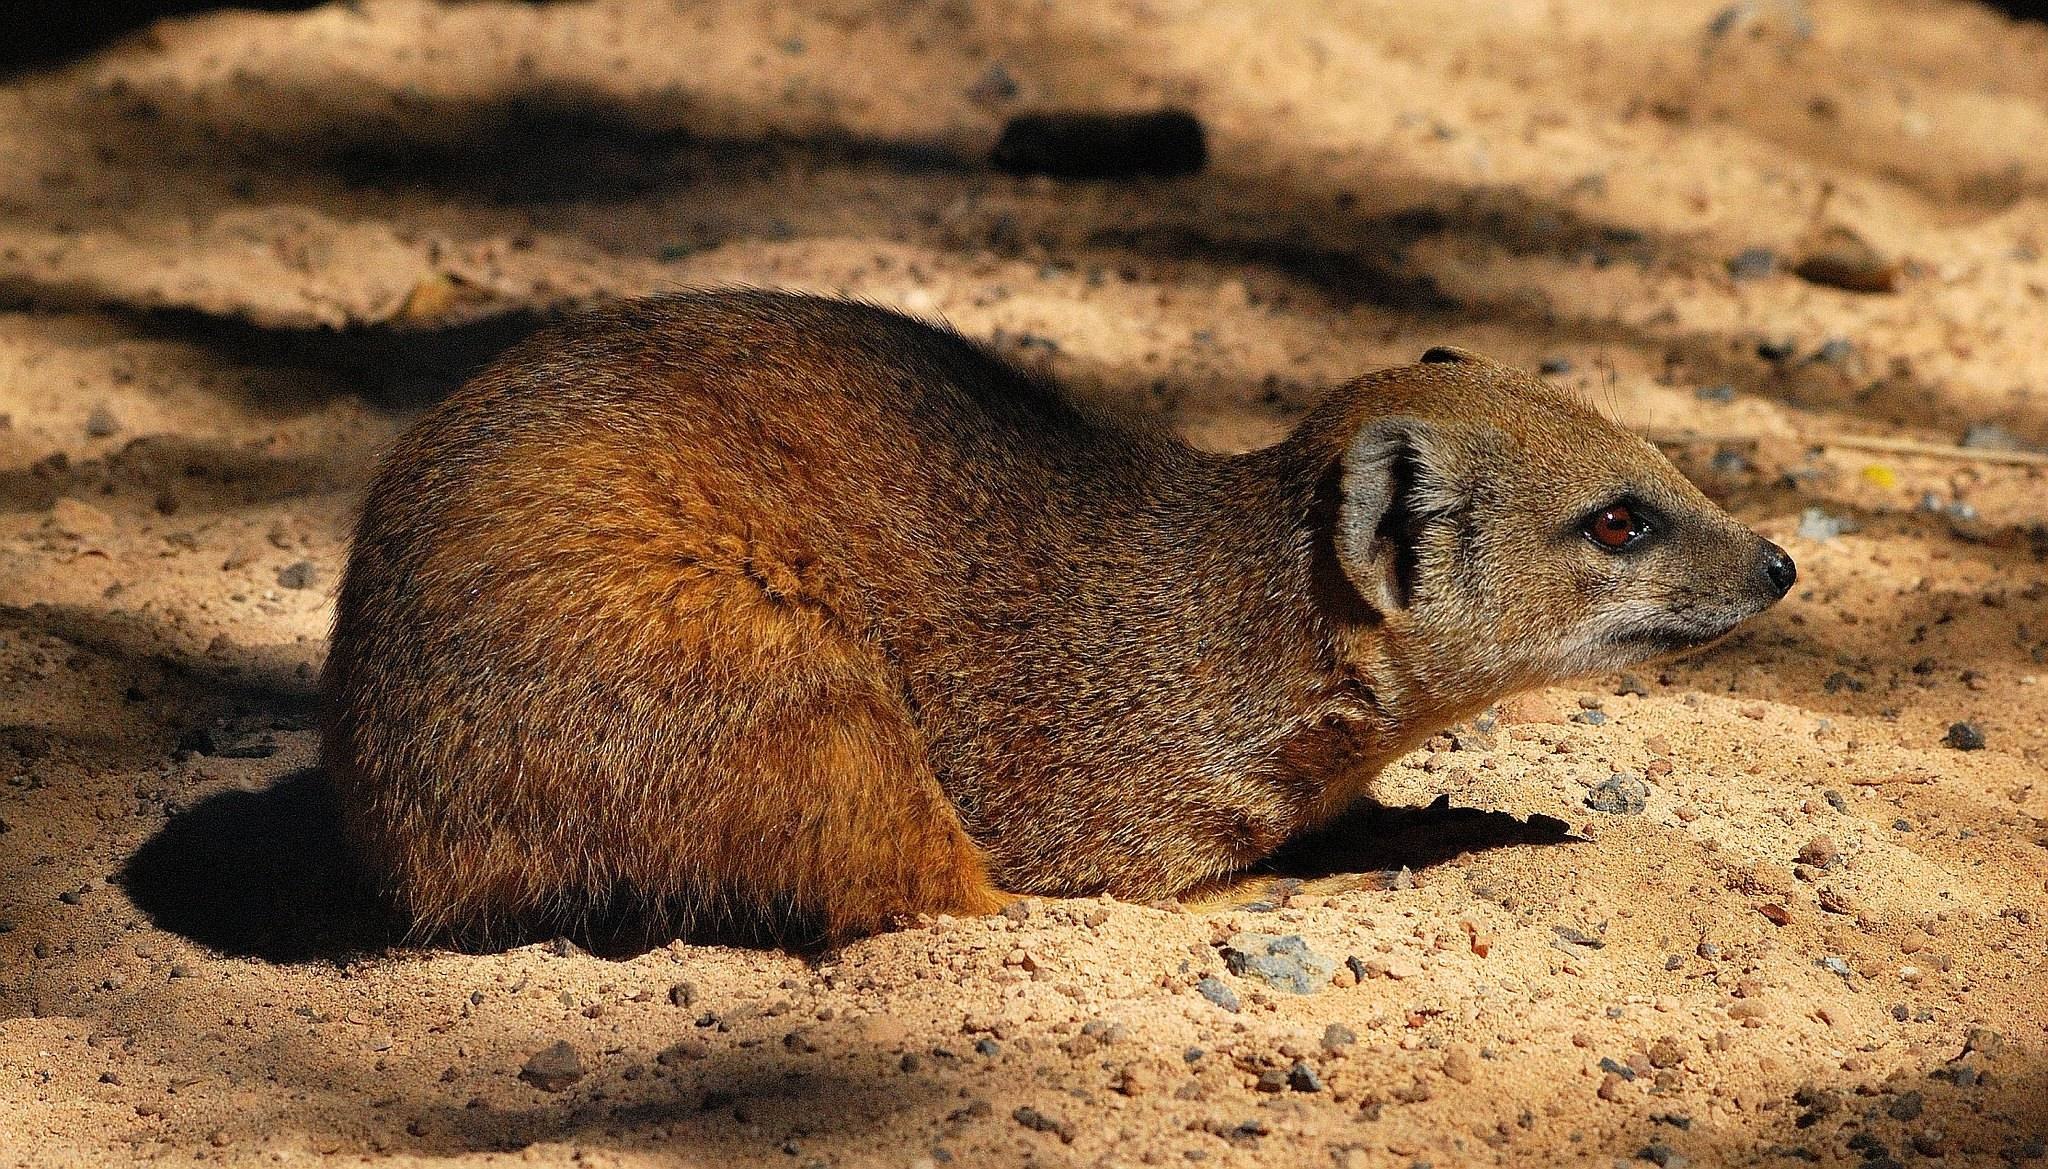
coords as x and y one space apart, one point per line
1508 536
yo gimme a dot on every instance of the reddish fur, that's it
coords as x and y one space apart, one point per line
745 608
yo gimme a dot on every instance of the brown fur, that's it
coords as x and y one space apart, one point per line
760 610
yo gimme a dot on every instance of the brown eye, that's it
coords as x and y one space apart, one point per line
1616 527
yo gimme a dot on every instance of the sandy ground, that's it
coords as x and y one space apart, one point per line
239 251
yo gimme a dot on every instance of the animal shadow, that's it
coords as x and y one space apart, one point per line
1373 838
262 874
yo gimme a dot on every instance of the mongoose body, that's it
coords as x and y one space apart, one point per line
794 615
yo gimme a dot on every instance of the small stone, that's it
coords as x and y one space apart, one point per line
1815 524
553 1068
1554 366
1458 1065
1989 436
299 574
1303 1078
1272 1081
1282 962
1905 1106
1214 989
683 994
1037 1121
1820 852
1839 258
1964 736
1337 1037
1619 795
101 422
994 86
1667 1052
1753 264
1721 393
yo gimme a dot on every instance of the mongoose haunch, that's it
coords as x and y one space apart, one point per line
751 609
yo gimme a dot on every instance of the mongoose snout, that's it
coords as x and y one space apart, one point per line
793 615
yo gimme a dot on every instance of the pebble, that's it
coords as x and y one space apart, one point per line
1213 989
1303 1078
1815 524
101 422
553 1068
1820 852
1037 1121
300 574
683 994
1840 258
1458 1065
1619 795
1554 366
1753 264
1834 965
1723 393
1667 1052
1989 436
1964 736
1282 962
1337 1037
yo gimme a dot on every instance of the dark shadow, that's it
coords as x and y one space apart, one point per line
2021 9
1372 838
268 874
41 33
386 365
260 874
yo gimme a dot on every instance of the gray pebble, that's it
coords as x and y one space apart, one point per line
1284 963
1619 795
1964 736
1213 989
298 575
101 422
1753 264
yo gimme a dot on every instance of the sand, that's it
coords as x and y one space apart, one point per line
238 252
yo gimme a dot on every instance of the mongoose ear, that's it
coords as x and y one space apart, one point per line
1390 480
1451 355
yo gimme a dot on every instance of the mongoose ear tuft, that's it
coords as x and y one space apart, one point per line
1450 355
1390 482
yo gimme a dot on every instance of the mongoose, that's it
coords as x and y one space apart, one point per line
743 609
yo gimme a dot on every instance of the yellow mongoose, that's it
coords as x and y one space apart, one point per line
770 611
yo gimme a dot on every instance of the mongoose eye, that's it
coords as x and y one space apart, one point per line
1616 527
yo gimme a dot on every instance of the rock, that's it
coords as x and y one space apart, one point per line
1839 258
1037 1121
994 87
101 422
300 574
1337 1037
1753 264
1303 1078
1282 962
1213 989
1820 852
1554 366
681 1050
553 1068
1458 1065
1990 436
1815 524
1667 1052
1272 1081
683 994
1964 736
1619 795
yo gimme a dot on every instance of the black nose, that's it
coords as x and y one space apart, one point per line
1779 569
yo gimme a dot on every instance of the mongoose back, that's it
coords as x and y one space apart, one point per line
788 615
